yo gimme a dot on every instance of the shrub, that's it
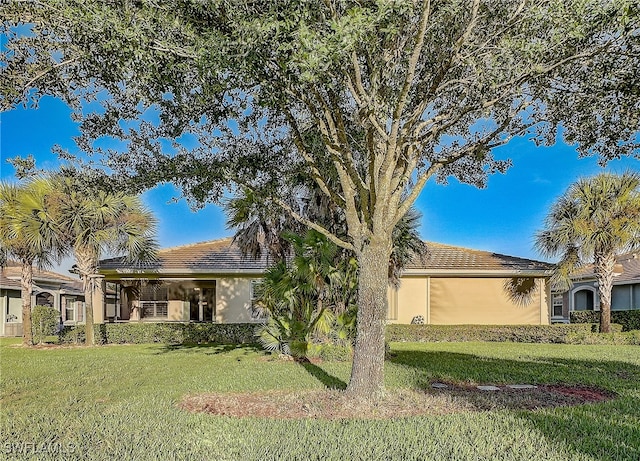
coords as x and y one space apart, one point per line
45 322
629 338
75 334
243 333
494 333
630 320
167 333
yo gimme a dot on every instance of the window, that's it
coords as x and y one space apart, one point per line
257 312
153 301
155 309
583 300
70 308
621 298
557 306
44 299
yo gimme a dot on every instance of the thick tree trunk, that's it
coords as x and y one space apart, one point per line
604 266
26 282
367 374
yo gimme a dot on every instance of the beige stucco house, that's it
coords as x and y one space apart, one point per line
51 289
213 282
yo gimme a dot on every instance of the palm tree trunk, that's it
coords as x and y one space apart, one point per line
26 282
604 266
88 303
86 262
367 372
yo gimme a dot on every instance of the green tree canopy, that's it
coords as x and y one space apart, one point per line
383 94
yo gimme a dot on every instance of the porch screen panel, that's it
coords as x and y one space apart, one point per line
483 301
621 298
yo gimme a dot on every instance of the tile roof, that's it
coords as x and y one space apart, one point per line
13 270
448 257
216 256
220 256
7 283
11 274
629 263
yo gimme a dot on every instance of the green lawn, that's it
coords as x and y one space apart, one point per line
118 402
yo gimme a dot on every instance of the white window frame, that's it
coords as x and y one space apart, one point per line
557 300
596 298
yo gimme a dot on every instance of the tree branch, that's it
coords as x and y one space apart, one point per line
331 236
38 76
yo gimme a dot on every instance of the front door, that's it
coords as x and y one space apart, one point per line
202 304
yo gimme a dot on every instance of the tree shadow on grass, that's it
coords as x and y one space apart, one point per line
608 430
329 381
210 348
422 365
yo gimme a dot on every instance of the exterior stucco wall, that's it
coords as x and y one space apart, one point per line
465 300
233 300
178 311
411 300
484 301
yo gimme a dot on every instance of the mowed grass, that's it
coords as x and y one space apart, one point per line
119 402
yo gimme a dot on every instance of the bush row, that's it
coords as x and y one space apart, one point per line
630 320
243 333
630 338
167 333
496 333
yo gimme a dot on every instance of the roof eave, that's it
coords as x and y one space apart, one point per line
480 272
155 272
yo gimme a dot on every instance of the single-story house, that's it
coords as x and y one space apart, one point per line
583 295
49 289
212 282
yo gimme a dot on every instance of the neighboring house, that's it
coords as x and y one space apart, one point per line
49 289
583 295
213 282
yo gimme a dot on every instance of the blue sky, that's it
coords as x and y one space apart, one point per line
502 218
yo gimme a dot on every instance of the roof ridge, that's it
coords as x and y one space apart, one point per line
447 245
37 272
187 245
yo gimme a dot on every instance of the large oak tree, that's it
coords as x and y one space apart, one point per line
384 94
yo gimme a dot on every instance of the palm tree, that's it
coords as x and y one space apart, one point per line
96 221
308 297
593 221
28 233
258 226
261 225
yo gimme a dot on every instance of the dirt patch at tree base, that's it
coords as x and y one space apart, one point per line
396 403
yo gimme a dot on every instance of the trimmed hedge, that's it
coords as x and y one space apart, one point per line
243 333
629 338
167 333
493 333
630 320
